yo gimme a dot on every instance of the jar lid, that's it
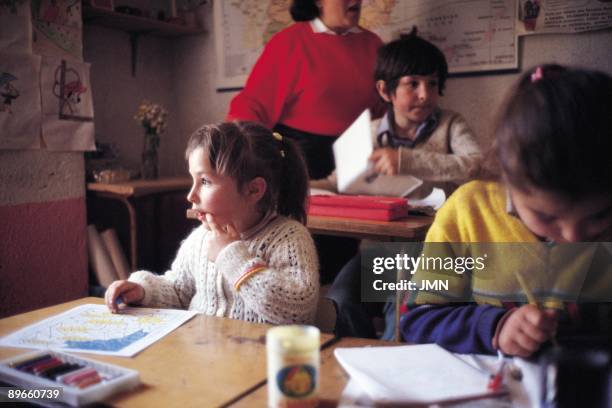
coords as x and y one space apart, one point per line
293 337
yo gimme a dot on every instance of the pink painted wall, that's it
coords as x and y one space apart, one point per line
43 256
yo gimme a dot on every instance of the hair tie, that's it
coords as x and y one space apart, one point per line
279 137
537 75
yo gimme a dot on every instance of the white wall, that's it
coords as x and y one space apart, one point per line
117 94
180 73
478 97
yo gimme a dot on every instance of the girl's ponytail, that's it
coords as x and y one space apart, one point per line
293 190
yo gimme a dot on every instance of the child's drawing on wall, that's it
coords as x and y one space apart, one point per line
8 92
67 121
15 26
68 88
57 28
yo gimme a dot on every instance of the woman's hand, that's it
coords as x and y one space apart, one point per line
385 160
129 292
220 237
526 329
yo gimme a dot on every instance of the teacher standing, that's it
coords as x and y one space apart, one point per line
313 79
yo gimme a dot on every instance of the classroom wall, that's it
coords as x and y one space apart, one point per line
43 258
183 71
117 94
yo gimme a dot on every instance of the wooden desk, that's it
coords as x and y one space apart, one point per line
411 228
208 361
333 378
125 192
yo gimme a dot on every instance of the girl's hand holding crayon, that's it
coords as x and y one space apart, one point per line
122 291
526 329
220 237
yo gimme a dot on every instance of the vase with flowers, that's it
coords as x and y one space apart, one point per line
153 118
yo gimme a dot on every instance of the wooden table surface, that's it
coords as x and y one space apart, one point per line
333 378
208 361
411 228
137 188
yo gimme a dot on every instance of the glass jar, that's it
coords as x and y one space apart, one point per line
293 366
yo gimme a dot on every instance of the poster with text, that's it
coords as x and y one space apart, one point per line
15 27
475 35
67 105
562 16
20 112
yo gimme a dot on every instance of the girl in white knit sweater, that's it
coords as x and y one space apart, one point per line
252 258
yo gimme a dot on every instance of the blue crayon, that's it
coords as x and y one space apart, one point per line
119 300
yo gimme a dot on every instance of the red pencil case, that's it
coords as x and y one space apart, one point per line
358 206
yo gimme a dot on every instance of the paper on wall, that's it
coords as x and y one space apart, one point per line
15 26
354 171
57 28
20 116
67 105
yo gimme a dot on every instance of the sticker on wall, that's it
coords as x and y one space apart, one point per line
15 27
20 115
67 105
57 28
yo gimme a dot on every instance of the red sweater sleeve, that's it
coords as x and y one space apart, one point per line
269 85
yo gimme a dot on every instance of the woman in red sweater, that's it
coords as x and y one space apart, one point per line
313 79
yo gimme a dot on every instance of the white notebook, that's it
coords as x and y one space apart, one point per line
354 171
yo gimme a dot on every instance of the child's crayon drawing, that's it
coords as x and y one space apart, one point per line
8 91
93 329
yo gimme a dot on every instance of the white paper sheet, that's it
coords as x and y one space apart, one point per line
93 329
15 26
67 105
432 371
411 374
354 172
20 116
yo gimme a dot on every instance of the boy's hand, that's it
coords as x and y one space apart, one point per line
220 237
385 160
526 329
130 292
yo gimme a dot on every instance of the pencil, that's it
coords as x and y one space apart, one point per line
530 298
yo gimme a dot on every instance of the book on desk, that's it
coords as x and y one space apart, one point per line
360 207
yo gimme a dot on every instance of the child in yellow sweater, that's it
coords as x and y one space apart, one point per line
553 143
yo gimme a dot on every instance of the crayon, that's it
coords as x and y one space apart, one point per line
530 298
47 365
78 376
22 365
55 372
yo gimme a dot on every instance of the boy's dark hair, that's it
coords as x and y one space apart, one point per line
304 10
245 150
409 55
555 132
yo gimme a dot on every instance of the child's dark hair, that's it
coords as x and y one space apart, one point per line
555 132
304 10
409 55
245 150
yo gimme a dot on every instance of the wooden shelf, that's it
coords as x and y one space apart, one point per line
136 24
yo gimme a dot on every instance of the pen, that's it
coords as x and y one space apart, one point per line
530 298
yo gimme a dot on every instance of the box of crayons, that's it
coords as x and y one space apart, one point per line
80 381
